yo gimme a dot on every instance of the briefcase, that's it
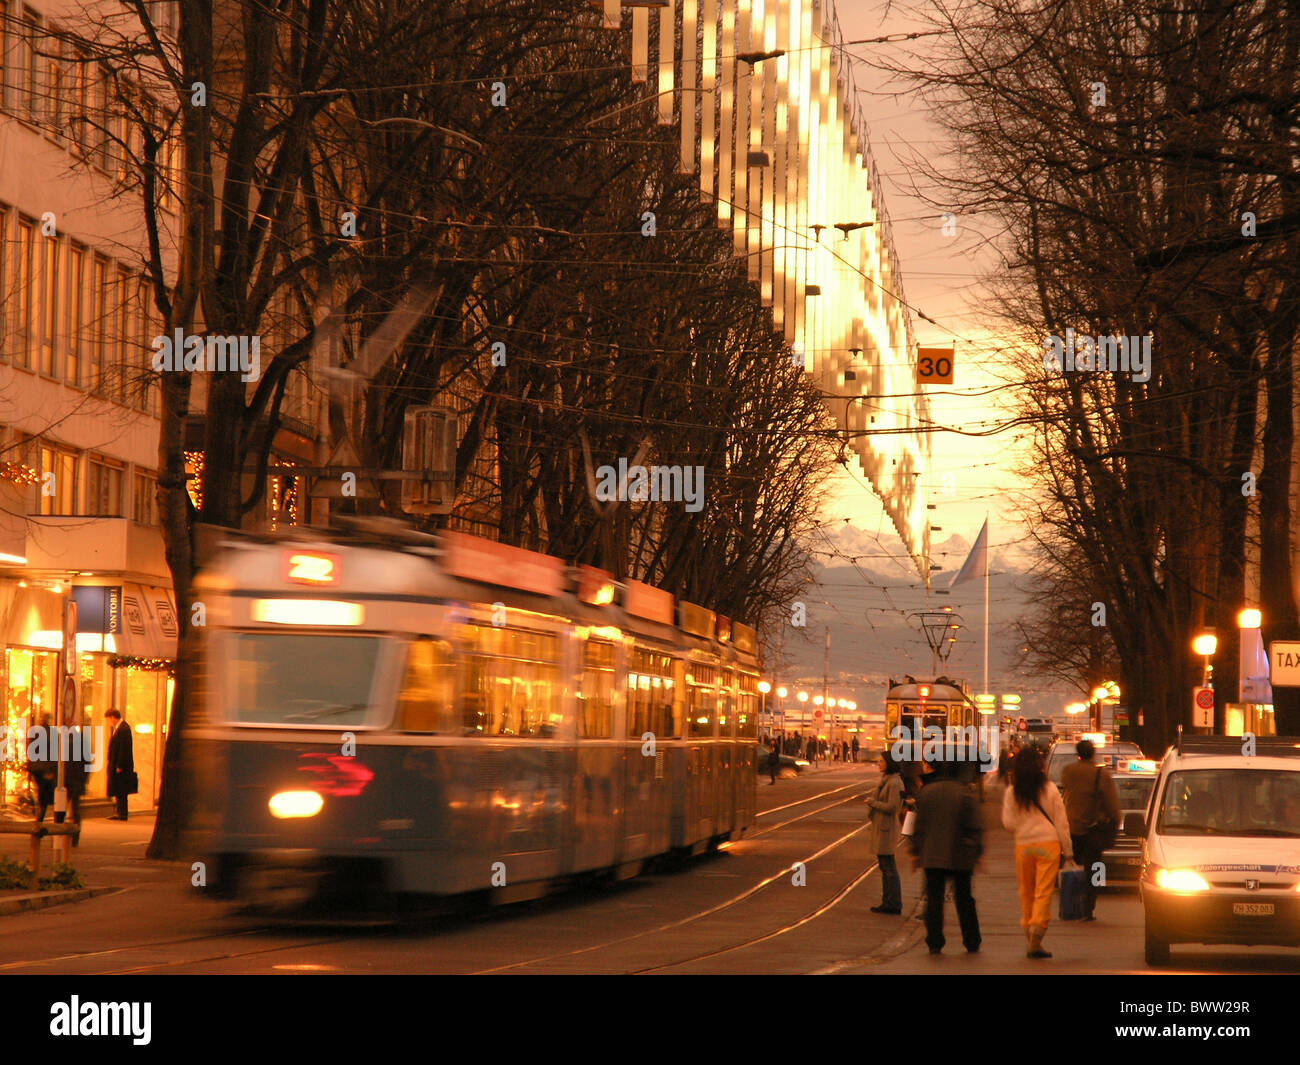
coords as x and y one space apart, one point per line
132 782
1074 894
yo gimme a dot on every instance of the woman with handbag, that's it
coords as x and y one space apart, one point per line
1032 810
885 806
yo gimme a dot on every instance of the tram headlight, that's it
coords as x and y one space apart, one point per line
285 804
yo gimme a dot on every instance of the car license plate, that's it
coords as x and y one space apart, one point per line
1252 909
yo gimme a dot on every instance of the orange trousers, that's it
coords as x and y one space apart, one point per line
1036 867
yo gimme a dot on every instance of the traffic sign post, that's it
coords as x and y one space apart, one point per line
1203 707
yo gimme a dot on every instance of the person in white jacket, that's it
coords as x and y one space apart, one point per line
1034 812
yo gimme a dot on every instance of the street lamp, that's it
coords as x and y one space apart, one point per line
1250 618
765 687
1205 645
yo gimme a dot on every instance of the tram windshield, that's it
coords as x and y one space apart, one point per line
297 679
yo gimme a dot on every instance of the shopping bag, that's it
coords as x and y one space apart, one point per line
909 824
1074 894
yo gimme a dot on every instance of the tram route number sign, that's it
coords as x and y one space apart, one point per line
934 366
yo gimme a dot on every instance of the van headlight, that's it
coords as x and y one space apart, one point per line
1180 880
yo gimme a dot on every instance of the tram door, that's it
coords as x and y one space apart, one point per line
598 788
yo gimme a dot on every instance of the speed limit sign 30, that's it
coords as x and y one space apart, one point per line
934 366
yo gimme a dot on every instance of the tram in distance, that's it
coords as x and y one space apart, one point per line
915 705
410 715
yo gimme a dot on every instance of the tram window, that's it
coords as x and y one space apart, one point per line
425 701
747 714
312 680
727 704
650 696
597 696
701 700
514 691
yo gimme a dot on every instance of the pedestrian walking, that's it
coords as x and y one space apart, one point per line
774 760
121 762
885 804
1092 806
1032 810
43 770
855 748
947 842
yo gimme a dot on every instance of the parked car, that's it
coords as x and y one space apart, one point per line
1221 845
1110 755
788 761
1135 779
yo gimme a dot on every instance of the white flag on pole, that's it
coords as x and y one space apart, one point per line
977 562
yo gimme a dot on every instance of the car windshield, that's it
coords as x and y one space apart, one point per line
303 679
1231 802
1134 792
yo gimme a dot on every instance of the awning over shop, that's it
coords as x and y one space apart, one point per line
148 628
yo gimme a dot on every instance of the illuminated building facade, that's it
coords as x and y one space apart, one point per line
763 93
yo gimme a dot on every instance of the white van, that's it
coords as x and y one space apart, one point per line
1221 845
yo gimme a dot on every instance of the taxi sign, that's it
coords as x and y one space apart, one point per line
1137 765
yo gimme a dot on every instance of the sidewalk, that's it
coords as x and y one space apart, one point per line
997 902
110 856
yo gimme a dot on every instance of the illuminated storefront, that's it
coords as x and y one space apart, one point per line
126 641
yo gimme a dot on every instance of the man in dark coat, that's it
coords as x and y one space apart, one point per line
121 761
947 841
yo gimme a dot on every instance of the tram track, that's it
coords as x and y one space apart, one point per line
855 789
716 909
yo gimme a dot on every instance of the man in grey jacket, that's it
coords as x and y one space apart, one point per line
947 842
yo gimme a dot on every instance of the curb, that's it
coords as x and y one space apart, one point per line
46 899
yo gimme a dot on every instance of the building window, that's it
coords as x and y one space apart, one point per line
99 122
56 87
58 487
101 300
27 66
4 54
119 343
50 279
72 336
103 489
144 498
6 299
24 291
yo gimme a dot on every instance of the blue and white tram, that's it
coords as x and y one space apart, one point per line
414 715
